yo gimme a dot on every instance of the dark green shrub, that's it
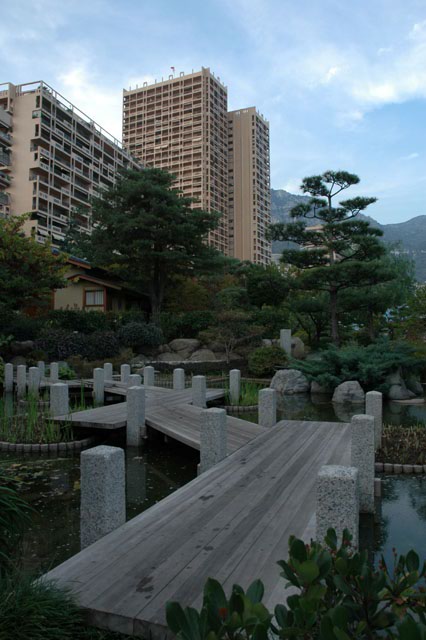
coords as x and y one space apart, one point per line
273 319
337 595
101 344
132 315
232 298
59 344
138 335
23 327
185 325
264 360
14 516
81 321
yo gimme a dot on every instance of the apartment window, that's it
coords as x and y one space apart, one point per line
94 298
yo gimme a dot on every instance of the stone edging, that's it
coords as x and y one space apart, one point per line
54 448
389 467
236 408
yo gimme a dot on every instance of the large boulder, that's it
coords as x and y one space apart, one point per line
414 385
202 355
164 348
297 348
169 356
21 348
184 347
317 388
349 392
287 382
397 387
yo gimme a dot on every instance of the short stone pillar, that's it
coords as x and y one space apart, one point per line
21 380
199 391
42 368
59 399
125 373
285 340
134 380
8 377
179 379
34 381
135 428
54 372
362 457
267 407
98 386
108 371
374 407
337 502
103 492
234 386
149 376
213 438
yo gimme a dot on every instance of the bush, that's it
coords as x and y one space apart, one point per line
337 595
23 327
81 321
60 344
138 335
273 319
263 361
185 325
132 315
101 344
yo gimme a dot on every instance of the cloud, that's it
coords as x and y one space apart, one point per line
411 156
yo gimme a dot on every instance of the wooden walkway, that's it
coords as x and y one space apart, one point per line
231 523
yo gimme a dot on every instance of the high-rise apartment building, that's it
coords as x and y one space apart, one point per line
249 186
221 159
180 124
52 159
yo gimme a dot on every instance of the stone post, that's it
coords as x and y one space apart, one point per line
34 380
149 376
374 407
59 399
103 492
134 380
234 386
54 372
179 379
362 457
108 371
125 373
285 340
42 368
213 438
199 391
135 429
337 502
8 378
98 386
21 380
267 407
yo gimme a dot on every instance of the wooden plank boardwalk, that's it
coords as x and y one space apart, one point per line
231 523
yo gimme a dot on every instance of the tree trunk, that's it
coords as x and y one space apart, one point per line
334 320
371 332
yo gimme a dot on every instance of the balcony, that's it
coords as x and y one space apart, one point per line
4 198
5 118
4 178
5 137
4 159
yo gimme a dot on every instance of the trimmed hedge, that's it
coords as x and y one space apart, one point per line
60 344
138 335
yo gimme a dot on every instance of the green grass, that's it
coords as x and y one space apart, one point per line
248 397
31 424
403 445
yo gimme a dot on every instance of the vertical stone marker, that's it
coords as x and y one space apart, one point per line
8 377
179 379
59 399
337 502
103 492
34 381
42 368
21 380
362 457
135 428
54 372
235 385
285 340
135 380
98 386
149 376
108 371
199 391
374 407
213 438
267 408
124 373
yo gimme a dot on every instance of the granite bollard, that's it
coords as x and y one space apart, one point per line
59 399
374 407
285 340
134 380
362 457
103 492
54 372
267 407
34 381
213 438
149 376
199 391
234 386
179 379
108 371
125 373
98 386
337 504
135 428
42 368
21 380
8 377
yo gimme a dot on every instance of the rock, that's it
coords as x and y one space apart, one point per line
214 346
397 387
266 342
297 348
222 356
349 392
17 360
170 357
317 388
164 348
139 360
202 355
289 381
21 348
414 385
184 347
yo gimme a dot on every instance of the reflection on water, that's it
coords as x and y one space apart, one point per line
52 487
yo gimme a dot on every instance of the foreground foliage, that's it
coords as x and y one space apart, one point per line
339 596
403 445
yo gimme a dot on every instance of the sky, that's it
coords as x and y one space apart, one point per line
342 82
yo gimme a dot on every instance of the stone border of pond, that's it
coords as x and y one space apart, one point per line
236 408
395 468
55 448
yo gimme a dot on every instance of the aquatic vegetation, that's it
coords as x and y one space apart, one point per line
248 396
31 423
403 445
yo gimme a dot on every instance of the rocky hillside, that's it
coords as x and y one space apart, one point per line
410 234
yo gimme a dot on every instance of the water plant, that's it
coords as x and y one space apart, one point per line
403 445
248 396
31 423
